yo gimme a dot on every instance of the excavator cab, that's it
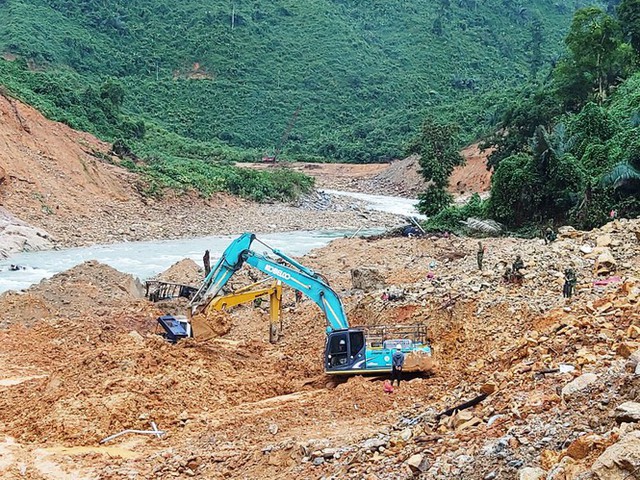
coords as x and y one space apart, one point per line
345 350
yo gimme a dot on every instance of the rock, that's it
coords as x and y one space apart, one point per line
329 452
568 232
605 263
136 336
578 384
418 463
581 447
318 461
603 240
620 460
491 475
628 412
461 418
475 421
366 279
625 349
529 473
633 332
374 443
634 358
406 434
273 428
586 249
488 388
18 236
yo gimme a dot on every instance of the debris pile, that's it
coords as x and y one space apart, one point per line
528 384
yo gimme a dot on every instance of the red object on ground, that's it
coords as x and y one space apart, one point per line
387 387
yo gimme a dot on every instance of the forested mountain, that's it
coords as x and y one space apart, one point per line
192 78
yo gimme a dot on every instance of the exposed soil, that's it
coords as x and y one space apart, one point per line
88 365
81 358
398 178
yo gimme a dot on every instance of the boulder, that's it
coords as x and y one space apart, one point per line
366 279
568 232
603 240
586 248
605 263
582 446
18 236
418 463
628 412
530 473
578 384
620 460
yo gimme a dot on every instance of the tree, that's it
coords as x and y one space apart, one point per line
535 47
598 58
629 17
533 107
112 91
436 145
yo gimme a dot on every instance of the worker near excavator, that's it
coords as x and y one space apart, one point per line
397 361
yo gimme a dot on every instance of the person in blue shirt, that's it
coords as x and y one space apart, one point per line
397 361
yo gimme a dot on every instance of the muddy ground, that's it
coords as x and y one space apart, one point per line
81 360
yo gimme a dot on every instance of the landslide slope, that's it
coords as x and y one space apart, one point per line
364 73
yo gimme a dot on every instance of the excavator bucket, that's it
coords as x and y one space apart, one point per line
418 361
214 325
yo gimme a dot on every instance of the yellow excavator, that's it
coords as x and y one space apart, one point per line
203 323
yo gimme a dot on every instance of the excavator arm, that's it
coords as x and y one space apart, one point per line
248 294
288 271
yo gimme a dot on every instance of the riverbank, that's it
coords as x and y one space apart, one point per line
67 186
190 216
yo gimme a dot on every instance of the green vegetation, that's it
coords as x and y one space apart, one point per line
438 157
568 150
231 73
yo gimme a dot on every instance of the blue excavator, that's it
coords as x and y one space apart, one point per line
347 350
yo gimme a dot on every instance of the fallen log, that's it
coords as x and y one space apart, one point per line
462 406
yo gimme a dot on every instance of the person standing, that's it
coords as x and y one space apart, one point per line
206 260
570 281
397 361
480 255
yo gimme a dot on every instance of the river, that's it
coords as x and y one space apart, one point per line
146 259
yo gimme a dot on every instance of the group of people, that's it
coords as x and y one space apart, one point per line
513 274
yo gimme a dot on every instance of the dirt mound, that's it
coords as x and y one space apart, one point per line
90 287
401 178
237 406
184 272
